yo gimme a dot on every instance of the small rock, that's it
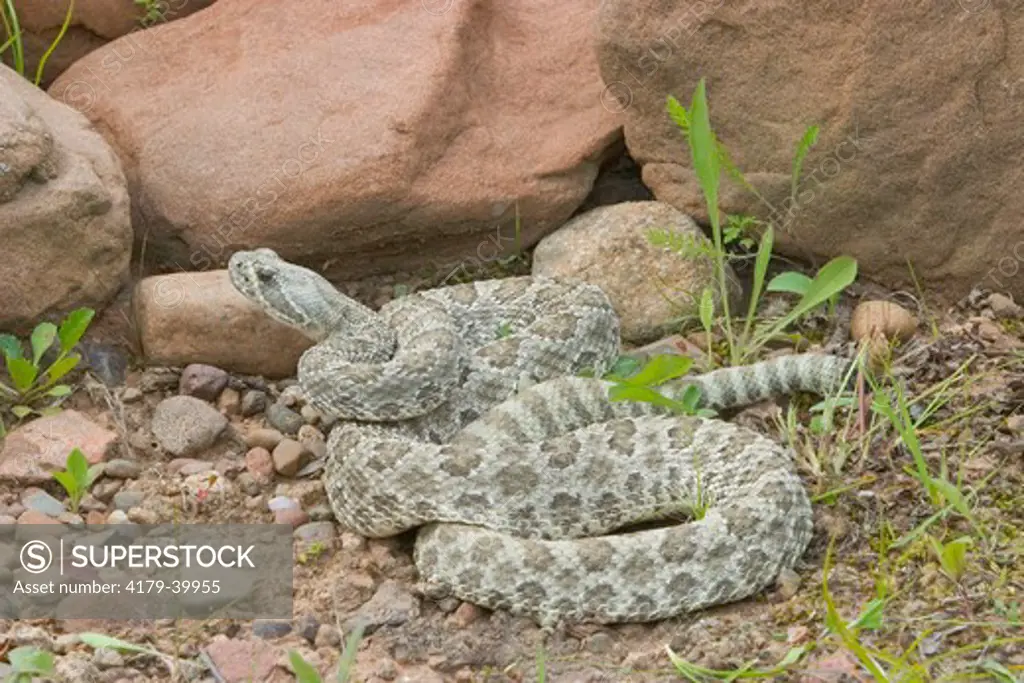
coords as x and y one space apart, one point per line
105 489
31 453
253 402
35 517
118 517
120 468
270 629
1015 423
106 658
131 395
78 667
1004 307
466 614
988 330
202 381
308 627
243 660
141 515
263 438
288 457
43 502
260 463
126 500
95 518
885 318
65 642
292 394
31 636
327 636
248 483
284 419
788 583
316 532
294 517
229 403
600 643
310 414
391 605
158 379
313 440
106 361
352 542
185 425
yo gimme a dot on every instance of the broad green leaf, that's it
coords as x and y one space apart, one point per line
46 411
304 672
624 366
23 373
73 327
78 466
662 368
871 616
691 397
98 640
94 473
21 411
59 390
62 367
707 309
834 277
42 339
802 148
791 282
67 481
953 495
10 347
31 660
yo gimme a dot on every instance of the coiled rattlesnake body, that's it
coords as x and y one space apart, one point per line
467 421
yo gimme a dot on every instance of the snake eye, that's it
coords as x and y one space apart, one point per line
264 276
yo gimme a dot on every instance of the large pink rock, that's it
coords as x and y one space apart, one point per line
919 106
65 227
353 137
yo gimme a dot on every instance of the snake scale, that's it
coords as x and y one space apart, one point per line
465 417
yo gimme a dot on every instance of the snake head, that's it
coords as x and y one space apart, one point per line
289 293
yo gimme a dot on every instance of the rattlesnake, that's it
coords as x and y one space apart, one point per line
466 417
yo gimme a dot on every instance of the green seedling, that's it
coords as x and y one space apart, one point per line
29 663
31 383
641 386
77 478
952 556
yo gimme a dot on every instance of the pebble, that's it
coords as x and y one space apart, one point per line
1015 423
288 457
158 379
125 500
131 395
105 489
310 414
41 501
314 532
229 402
118 517
293 517
270 629
253 402
185 425
291 395
35 517
76 666
106 658
259 462
31 636
1004 307
788 583
141 515
308 627
314 441
121 468
65 642
249 484
284 419
327 636
466 614
202 381
263 438
107 362
391 605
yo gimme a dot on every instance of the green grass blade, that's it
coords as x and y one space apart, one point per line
14 31
304 672
802 148
53 45
764 255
